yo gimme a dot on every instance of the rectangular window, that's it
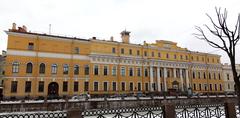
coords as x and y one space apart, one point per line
145 53
114 86
65 69
175 56
146 72
14 86
96 70
194 86
28 86
216 87
210 87
65 86
95 86
138 52
76 50
131 72
86 86
114 71
105 86
86 70
131 86
113 50
146 86
105 70
227 76
123 86
75 86
139 86
199 75
152 54
200 87
123 71
41 86
122 51
159 54
30 46
130 51
138 72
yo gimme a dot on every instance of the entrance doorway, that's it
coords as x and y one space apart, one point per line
53 90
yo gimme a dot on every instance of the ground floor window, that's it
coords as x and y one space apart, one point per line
40 86
123 86
86 86
105 86
95 86
146 86
75 86
14 86
28 86
65 86
131 86
114 85
139 86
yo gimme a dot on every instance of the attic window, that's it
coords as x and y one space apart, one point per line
76 50
30 46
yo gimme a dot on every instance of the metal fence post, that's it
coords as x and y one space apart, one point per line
169 110
230 110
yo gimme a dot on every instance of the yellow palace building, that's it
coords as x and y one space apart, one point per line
43 64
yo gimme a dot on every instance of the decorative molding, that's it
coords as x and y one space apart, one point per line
46 54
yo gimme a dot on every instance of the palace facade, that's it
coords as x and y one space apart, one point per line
42 64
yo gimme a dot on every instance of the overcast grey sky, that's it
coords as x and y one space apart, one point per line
148 20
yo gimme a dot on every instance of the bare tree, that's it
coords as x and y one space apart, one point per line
223 38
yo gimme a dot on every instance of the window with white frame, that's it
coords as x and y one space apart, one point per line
95 69
54 68
123 71
114 70
139 72
15 67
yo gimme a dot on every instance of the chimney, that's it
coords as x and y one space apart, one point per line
14 26
125 36
111 38
144 43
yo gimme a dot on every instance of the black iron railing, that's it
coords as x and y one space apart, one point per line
50 114
200 111
143 112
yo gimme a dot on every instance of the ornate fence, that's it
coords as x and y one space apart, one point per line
40 114
201 111
190 111
144 112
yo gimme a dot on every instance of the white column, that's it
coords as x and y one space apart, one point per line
187 79
165 79
174 73
181 79
151 78
158 79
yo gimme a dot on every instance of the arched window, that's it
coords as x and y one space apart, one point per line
54 68
42 68
15 67
65 69
29 67
76 70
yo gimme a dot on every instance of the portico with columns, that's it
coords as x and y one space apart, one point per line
168 75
